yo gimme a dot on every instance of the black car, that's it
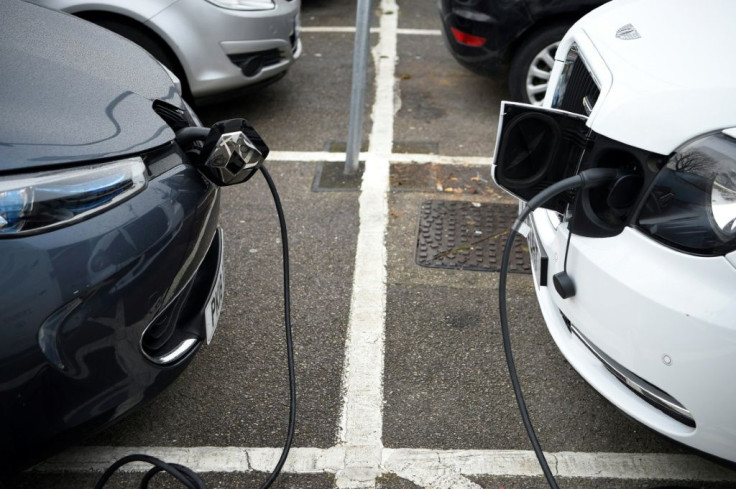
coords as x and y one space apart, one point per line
518 37
110 251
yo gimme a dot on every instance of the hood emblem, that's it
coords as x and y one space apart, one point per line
628 33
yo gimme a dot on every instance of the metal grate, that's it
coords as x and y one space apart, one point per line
468 236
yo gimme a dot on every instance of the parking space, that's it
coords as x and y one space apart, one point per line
401 375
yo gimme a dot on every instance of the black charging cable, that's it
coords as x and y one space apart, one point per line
588 178
186 476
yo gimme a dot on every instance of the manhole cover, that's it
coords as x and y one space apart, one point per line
468 236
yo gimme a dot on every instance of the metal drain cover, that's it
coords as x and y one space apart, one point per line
468 236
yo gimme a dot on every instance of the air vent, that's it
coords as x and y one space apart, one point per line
252 63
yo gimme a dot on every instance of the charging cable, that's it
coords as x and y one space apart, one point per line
589 178
186 476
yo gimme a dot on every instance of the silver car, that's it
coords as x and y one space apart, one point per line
213 46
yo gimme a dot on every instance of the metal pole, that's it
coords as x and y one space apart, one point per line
361 54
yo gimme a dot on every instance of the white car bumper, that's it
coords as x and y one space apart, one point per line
663 318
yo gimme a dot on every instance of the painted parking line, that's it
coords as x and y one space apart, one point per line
361 423
423 467
317 156
374 30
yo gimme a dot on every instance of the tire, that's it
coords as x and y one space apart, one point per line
532 63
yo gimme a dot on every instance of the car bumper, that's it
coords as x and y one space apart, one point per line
648 315
222 49
95 314
499 24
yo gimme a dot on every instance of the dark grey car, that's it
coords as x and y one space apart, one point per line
110 254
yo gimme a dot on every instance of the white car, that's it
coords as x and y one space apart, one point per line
636 280
213 46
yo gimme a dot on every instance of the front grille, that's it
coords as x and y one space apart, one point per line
645 390
580 90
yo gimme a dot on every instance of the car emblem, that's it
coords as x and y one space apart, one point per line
628 33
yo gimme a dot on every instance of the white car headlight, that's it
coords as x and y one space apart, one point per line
692 203
39 202
244 4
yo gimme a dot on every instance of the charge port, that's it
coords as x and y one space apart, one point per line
606 209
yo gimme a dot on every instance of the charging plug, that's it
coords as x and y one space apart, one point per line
564 285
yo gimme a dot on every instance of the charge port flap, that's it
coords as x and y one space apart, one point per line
537 147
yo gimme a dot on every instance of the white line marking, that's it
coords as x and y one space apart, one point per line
419 32
440 160
316 156
374 30
431 463
361 423
423 467
333 30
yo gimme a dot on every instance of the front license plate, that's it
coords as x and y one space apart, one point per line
537 255
217 296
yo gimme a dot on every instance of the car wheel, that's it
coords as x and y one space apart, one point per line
532 63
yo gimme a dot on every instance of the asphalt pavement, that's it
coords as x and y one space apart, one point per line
400 370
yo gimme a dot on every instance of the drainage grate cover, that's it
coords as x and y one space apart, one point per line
468 236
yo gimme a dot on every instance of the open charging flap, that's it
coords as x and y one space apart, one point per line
537 147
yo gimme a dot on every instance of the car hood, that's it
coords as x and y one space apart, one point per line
671 79
71 91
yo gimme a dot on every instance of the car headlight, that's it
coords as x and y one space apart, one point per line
39 202
244 4
692 203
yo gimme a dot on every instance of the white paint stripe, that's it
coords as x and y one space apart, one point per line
423 467
430 463
361 423
316 156
333 30
441 160
419 32
374 30
307 156
199 459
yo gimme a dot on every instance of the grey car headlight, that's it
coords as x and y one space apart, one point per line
691 205
244 4
39 202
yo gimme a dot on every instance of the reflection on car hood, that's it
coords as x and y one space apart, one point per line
71 91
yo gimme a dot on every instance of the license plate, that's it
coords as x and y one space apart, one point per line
217 296
537 255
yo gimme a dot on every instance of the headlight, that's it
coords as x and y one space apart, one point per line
38 202
244 4
692 203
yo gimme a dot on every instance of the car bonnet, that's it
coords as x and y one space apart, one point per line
71 91
670 75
